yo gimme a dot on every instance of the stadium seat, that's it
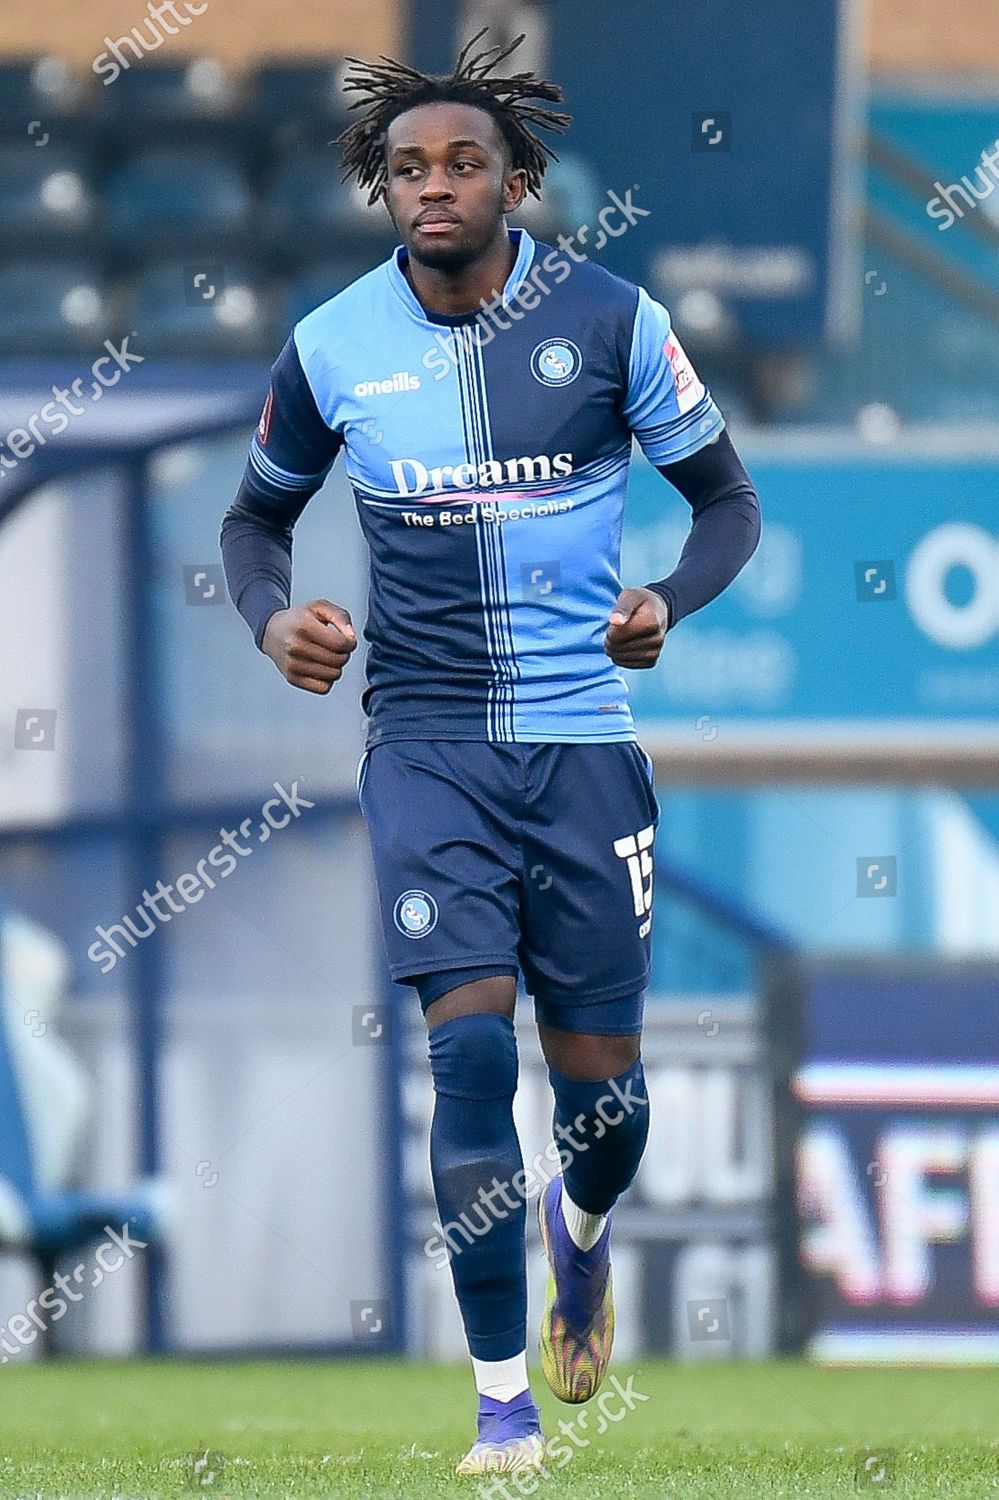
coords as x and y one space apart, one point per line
220 311
160 94
39 97
51 307
163 198
48 198
299 101
316 282
45 1099
308 211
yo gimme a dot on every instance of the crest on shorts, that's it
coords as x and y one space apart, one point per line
415 914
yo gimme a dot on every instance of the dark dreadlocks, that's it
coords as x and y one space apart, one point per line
387 91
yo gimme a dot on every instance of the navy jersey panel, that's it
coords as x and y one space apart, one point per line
536 856
489 459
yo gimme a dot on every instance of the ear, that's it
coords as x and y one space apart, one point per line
383 199
514 190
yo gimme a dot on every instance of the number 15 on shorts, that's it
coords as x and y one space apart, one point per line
636 848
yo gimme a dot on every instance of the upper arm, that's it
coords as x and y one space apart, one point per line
667 408
709 474
292 447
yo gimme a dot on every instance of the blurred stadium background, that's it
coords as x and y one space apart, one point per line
240 1085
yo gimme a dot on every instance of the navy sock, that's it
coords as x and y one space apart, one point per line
600 1129
474 1152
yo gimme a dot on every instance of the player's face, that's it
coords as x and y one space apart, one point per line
449 183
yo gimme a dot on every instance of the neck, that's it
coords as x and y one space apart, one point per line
464 290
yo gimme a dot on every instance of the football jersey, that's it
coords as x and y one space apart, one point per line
488 455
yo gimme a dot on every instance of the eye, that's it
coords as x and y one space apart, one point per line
464 163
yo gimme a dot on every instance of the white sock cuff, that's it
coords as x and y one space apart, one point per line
584 1229
502 1379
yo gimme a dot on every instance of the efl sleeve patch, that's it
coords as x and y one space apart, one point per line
667 406
689 389
264 425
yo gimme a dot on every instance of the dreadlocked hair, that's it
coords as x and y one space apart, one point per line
388 88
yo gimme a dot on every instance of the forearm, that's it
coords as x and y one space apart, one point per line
289 458
722 539
256 556
724 531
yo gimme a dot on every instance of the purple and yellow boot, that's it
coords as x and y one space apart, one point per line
577 1325
509 1441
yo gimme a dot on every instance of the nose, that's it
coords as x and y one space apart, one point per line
436 187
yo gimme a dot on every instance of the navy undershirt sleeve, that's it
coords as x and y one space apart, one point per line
290 456
724 531
256 556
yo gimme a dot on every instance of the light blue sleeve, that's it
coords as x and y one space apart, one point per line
667 408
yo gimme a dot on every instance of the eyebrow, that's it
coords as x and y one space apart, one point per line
420 150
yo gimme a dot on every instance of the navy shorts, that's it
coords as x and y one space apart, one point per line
529 857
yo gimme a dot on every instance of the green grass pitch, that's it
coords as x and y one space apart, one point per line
391 1431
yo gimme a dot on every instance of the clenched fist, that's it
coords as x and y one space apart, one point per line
311 644
638 625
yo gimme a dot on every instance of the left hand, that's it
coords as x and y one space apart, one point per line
638 625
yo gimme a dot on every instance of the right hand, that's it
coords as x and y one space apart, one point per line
311 644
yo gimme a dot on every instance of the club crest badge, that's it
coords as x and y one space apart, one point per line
556 362
415 914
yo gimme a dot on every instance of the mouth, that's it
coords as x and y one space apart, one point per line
437 224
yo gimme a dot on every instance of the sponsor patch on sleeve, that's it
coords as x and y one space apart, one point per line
264 425
689 389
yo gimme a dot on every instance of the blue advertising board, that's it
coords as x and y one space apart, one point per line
898 1161
869 615
730 126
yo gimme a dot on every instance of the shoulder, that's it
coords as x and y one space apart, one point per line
332 329
336 322
586 281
